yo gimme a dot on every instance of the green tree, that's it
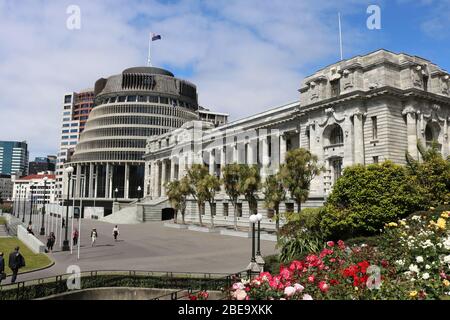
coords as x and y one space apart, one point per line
209 186
431 175
249 185
231 178
365 198
195 176
300 168
177 191
274 194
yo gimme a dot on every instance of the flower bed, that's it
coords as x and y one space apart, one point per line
411 261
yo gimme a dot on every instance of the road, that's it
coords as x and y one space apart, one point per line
153 247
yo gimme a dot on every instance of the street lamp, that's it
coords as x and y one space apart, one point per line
24 203
259 218
31 207
66 246
43 208
116 191
139 193
253 219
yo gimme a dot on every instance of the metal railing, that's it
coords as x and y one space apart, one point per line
189 282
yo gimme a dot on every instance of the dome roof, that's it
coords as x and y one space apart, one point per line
149 70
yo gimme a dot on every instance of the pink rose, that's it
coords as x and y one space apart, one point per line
330 243
307 297
311 279
323 286
298 287
289 291
240 294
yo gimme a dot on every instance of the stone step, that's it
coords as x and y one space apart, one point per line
3 231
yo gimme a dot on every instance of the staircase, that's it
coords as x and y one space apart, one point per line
3 231
152 209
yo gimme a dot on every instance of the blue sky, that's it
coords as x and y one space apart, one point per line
245 56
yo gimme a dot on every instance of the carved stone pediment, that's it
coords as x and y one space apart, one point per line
348 79
331 118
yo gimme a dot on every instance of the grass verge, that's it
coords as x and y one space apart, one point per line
33 261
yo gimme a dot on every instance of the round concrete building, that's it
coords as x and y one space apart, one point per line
128 108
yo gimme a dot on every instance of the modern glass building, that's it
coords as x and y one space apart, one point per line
14 157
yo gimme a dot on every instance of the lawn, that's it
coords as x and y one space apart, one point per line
33 261
2 220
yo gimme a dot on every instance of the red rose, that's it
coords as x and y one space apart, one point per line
341 244
323 286
330 243
311 279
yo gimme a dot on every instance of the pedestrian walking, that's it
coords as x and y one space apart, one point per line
75 237
51 241
30 229
2 268
115 232
93 236
63 223
16 261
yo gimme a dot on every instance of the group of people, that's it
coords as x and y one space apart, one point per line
75 235
16 261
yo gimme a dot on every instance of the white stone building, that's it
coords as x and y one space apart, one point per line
359 111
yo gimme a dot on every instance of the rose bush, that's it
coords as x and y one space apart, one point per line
410 261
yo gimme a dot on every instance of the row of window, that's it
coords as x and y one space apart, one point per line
121 132
72 143
66 125
147 109
142 120
148 99
70 131
110 155
114 143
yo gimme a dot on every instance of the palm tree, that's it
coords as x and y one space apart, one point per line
209 186
231 176
274 194
195 176
249 185
300 169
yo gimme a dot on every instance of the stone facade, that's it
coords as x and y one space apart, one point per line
359 111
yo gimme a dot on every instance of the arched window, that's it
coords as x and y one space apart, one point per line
336 135
431 132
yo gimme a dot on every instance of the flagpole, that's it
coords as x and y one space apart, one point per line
340 35
149 63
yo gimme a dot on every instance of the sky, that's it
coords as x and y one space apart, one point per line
245 56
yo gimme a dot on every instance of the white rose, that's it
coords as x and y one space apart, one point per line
419 259
426 276
428 267
414 268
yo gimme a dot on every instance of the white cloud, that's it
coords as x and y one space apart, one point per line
244 56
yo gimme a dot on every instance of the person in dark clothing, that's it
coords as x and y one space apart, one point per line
30 229
75 237
63 223
16 261
2 267
51 241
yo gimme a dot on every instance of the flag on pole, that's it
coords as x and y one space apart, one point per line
156 37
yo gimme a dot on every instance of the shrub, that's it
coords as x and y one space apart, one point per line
367 197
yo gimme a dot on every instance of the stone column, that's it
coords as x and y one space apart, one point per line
110 177
96 182
181 167
78 181
446 140
250 153
264 157
172 168
107 181
359 137
163 177
235 153
212 162
283 148
411 129
156 180
126 181
91 180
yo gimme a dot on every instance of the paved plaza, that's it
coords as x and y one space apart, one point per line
153 247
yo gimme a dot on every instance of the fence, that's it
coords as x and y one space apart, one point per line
188 282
